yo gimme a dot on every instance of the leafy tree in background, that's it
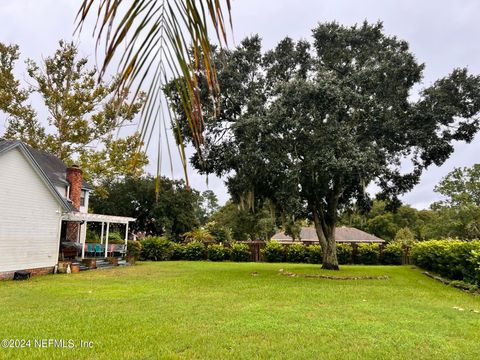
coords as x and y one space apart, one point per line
405 237
309 127
459 211
245 224
13 98
461 187
221 233
207 205
83 116
173 215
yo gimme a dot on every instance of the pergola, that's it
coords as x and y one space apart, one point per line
104 219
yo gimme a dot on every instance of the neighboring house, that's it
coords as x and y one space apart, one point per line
43 204
343 234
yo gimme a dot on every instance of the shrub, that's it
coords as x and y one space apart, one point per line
156 248
216 252
393 254
296 253
368 254
115 238
453 259
194 250
273 251
239 252
201 235
92 236
344 253
222 234
314 254
178 251
134 249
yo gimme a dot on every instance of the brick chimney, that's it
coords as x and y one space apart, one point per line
75 178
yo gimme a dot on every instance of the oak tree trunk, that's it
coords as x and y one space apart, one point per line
326 236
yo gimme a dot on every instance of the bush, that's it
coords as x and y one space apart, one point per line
222 234
178 251
194 250
156 248
115 238
240 252
314 254
296 253
134 249
216 252
368 254
453 259
393 254
273 251
92 236
344 253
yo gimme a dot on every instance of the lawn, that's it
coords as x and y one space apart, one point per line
185 310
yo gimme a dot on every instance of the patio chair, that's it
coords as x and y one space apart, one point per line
111 249
90 249
99 249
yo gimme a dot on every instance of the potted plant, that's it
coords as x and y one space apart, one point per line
134 249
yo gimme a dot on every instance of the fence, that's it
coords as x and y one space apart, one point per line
257 256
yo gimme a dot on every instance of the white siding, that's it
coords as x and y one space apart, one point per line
29 216
84 209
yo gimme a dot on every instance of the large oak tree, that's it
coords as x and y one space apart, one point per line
310 126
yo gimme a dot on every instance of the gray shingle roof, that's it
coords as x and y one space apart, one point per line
53 167
342 234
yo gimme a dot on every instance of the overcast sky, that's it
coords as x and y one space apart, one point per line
442 34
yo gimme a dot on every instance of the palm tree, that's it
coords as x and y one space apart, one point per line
156 39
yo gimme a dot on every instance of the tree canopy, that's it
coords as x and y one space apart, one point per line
310 125
172 215
84 116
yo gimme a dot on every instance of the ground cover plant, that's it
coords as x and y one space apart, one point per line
213 310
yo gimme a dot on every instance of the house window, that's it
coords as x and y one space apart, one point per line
83 195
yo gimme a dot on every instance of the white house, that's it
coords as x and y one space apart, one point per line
43 204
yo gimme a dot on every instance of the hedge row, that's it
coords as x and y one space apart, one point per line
368 254
158 249
454 259
161 249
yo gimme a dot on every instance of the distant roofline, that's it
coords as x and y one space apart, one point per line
309 235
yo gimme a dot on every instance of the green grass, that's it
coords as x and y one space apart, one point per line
185 310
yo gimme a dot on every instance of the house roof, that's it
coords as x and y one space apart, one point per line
53 167
6 146
342 234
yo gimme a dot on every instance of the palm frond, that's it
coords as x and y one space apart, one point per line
159 38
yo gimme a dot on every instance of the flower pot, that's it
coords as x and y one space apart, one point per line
75 267
90 263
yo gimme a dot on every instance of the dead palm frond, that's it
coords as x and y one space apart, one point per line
155 39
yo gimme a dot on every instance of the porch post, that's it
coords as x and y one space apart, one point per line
82 240
106 239
126 238
101 234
